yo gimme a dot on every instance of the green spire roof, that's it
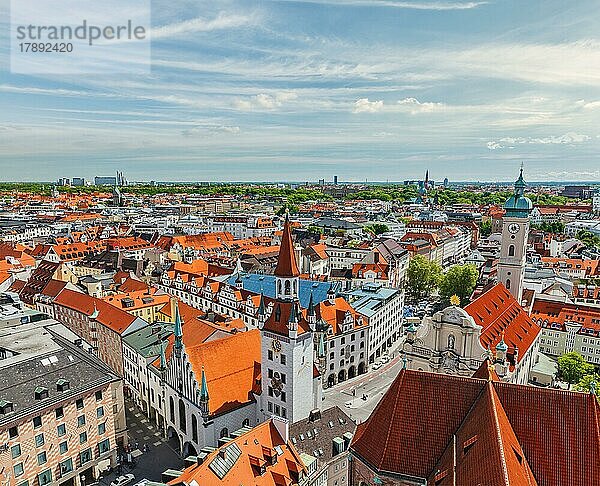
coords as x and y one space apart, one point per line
518 205
163 359
204 387
322 345
178 330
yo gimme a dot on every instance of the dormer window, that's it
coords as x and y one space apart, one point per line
6 407
62 385
41 392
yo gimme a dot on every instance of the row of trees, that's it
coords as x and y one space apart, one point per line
425 277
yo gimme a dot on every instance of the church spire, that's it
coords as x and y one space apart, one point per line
286 263
204 397
178 332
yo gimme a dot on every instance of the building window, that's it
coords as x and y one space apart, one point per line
15 451
13 432
42 458
182 424
270 355
85 456
45 477
101 428
39 440
270 406
79 403
224 432
61 430
283 359
507 284
283 396
104 446
59 412
194 428
83 437
511 250
100 412
37 422
66 466
63 447
18 469
81 421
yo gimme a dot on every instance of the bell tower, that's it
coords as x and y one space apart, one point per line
515 229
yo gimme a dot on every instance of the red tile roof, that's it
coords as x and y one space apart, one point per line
256 449
108 315
231 382
498 313
558 432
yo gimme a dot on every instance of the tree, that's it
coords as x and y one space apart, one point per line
485 228
572 367
588 238
377 228
459 280
588 382
423 277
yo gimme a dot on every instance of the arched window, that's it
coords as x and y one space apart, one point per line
287 287
181 415
224 433
171 409
511 250
508 284
279 286
194 428
246 423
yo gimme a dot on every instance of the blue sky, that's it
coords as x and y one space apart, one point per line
302 90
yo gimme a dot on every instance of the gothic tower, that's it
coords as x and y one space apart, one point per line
515 228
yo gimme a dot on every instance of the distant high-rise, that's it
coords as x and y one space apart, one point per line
78 181
335 180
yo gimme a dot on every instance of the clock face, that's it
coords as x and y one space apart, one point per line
513 228
276 345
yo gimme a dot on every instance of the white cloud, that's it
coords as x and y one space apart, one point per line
415 106
263 101
363 105
220 22
570 138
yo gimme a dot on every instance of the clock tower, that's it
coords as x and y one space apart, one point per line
515 229
287 350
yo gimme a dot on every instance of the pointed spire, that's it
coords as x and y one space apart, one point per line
204 388
293 314
286 263
311 306
520 184
163 359
178 331
321 345
261 305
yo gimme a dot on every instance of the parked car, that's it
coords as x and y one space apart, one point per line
385 358
376 366
123 480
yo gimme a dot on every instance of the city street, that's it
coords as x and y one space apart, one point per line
159 456
372 384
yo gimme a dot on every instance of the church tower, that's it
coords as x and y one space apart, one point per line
287 351
515 228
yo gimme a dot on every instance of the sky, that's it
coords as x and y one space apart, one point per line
301 90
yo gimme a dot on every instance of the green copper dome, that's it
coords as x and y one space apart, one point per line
518 205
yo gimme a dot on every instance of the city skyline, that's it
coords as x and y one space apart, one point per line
300 90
